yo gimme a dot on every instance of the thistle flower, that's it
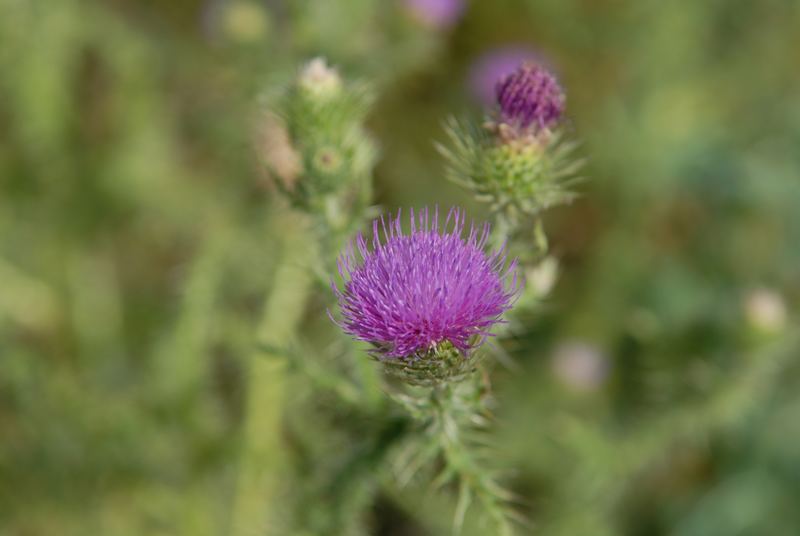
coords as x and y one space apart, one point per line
530 97
430 293
436 13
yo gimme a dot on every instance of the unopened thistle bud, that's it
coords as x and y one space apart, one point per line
319 79
428 299
517 160
530 99
323 118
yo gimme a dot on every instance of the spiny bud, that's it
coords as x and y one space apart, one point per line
519 160
328 160
530 99
319 79
323 118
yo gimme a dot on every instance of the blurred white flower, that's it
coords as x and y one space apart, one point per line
542 277
765 310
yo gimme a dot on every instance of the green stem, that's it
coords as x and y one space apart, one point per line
462 463
263 453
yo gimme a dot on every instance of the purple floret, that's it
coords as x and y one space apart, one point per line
409 292
530 97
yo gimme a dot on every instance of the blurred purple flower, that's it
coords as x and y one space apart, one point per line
580 366
530 97
438 14
494 65
410 292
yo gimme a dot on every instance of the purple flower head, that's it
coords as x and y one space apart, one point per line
437 13
411 292
494 65
530 97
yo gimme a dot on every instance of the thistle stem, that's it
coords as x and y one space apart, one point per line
462 463
263 453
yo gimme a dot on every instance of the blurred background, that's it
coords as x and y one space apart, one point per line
658 389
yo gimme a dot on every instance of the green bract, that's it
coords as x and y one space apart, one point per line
514 173
439 364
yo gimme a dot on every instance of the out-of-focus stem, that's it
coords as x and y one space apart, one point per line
618 461
263 454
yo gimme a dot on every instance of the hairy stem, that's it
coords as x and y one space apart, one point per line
262 457
462 463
